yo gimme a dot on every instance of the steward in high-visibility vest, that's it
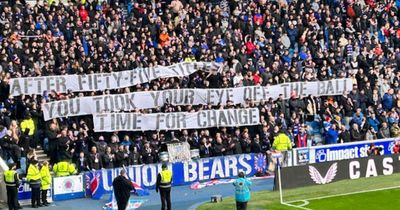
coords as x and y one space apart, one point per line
46 182
34 179
164 180
64 168
12 183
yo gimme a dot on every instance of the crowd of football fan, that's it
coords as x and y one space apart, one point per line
260 42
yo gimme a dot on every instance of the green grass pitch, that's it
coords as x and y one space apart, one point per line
375 193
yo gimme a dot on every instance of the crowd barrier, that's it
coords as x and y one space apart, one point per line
145 176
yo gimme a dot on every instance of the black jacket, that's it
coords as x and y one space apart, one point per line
122 189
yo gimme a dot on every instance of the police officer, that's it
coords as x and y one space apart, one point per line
242 191
164 180
12 182
64 168
34 179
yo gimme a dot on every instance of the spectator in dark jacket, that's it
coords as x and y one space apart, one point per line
388 100
95 159
355 133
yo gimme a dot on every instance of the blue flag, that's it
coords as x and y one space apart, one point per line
85 46
94 185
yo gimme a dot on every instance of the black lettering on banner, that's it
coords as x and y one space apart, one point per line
223 121
212 118
170 121
285 90
210 96
133 76
181 121
258 93
338 86
39 81
117 77
129 101
167 96
243 117
141 75
60 84
97 104
294 86
138 121
179 96
321 87
15 87
201 119
230 94
119 102
172 68
247 93
74 110
95 81
219 93
157 72
63 108
99 118
329 88
189 97
49 108
160 120
233 117
27 85
50 81
345 85
90 81
108 103
254 116
106 76
124 121
155 95
113 123
82 79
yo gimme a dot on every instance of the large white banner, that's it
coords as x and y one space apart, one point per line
103 81
110 122
153 99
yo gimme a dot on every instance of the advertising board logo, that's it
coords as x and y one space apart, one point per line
321 155
67 185
317 177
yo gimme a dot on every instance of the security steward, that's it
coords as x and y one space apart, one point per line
64 168
163 185
12 183
34 179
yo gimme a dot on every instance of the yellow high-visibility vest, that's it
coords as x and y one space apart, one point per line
9 178
166 178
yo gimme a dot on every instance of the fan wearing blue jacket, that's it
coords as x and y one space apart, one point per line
242 191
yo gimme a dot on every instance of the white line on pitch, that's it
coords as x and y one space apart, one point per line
352 193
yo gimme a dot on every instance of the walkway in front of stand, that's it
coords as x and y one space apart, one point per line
182 197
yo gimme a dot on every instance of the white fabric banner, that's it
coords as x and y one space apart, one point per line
110 122
179 152
152 99
103 81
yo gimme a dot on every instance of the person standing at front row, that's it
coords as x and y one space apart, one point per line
242 191
46 182
34 179
11 179
164 180
122 189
